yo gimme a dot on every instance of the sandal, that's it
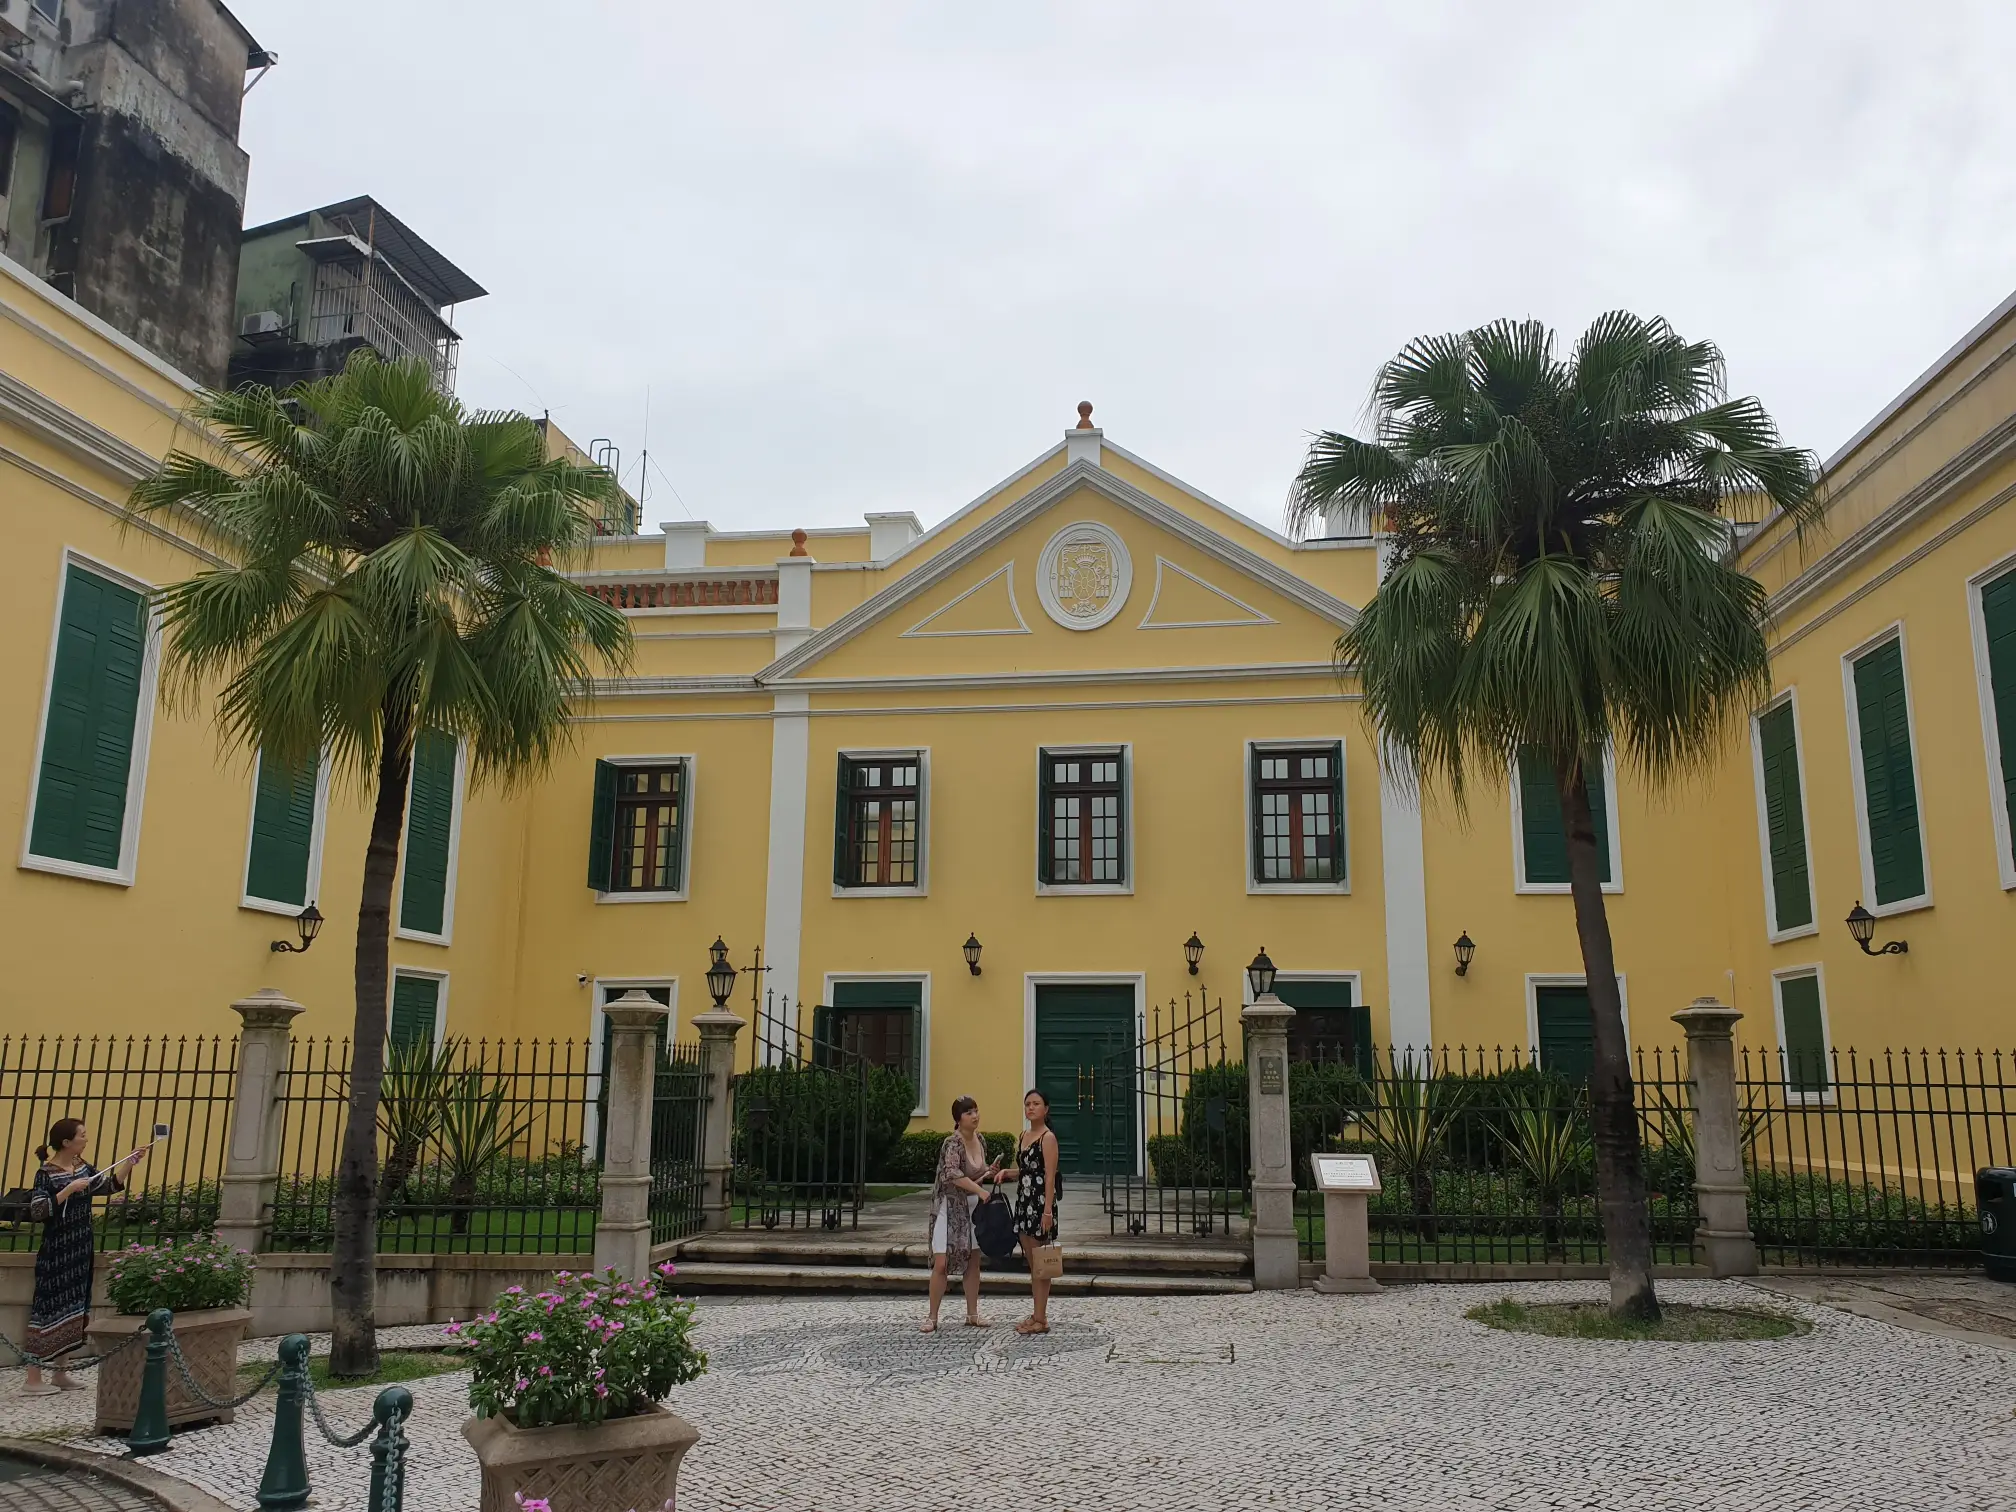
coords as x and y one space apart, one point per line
978 1323
40 1389
1030 1326
931 1326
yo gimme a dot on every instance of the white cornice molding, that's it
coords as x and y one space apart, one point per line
111 506
1958 473
1046 495
701 686
42 416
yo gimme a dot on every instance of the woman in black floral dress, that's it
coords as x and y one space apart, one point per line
61 1203
1037 1189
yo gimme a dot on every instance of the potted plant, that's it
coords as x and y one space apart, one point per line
566 1386
206 1284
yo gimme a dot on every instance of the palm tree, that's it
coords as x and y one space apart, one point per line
1558 580
390 574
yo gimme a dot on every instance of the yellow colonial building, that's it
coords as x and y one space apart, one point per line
972 789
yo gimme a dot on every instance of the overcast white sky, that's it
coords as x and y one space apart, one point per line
870 256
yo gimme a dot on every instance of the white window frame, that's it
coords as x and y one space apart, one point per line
1519 882
316 835
1085 889
1817 970
1341 887
922 887
123 874
923 1108
688 785
425 973
1535 980
1892 631
1992 736
598 1034
1772 932
460 801
1138 980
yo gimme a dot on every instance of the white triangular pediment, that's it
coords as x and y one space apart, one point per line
989 607
1184 601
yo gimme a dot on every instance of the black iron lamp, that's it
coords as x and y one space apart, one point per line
971 950
720 975
1260 975
1465 949
307 924
1862 925
1193 951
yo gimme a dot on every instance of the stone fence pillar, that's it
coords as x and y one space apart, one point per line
717 1031
1276 1255
252 1154
623 1228
1724 1231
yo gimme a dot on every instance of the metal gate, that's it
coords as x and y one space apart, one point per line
1175 1156
800 1138
678 1116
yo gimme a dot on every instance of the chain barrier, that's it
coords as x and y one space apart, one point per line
67 1365
315 1412
189 1380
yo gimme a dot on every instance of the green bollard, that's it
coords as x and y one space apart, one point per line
388 1450
150 1420
285 1483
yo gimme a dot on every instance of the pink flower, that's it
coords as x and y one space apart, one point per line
514 1291
532 1503
668 1269
522 1383
534 1337
601 1391
545 1370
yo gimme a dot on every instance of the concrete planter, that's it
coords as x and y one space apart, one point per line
209 1339
616 1466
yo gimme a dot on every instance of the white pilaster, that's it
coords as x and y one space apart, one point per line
1405 874
1082 445
890 532
685 543
794 603
784 894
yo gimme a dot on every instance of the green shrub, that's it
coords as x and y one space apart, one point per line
797 1124
185 1277
183 1208
1215 1121
912 1158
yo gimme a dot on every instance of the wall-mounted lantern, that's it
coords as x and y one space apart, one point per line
1193 952
720 975
971 950
307 924
1465 949
1862 925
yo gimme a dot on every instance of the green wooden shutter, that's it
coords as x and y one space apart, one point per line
1540 820
1541 826
1896 849
825 1035
842 791
414 1001
1567 1035
602 826
283 833
1805 1035
430 820
87 742
1785 819
1337 807
1125 837
1044 870
1998 613
1256 844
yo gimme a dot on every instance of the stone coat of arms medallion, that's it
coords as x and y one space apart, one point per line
1083 575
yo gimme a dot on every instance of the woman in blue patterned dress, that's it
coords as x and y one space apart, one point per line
61 1203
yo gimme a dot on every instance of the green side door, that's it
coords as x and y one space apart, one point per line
1084 1065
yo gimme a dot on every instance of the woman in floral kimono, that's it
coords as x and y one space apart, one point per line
61 1203
962 1166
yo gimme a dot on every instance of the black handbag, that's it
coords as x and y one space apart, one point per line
994 1226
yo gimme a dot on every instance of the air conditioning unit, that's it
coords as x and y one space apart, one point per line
260 326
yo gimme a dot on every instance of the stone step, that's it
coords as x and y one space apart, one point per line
702 1275
804 1251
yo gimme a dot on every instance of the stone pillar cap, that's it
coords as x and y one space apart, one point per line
635 1009
268 1008
1267 1006
720 1021
1706 1015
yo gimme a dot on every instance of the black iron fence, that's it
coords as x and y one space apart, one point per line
1869 1159
1172 1127
1485 1156
123 1089
678 1119
484 1147
804 1112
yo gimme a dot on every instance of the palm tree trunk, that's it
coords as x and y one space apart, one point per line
353 1263
1620 1166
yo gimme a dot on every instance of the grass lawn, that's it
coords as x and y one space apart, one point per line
394 1366
1677 1323
1449 1247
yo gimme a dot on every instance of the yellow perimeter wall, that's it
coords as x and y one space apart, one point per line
761 665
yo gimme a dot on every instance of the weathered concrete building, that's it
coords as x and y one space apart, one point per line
315 287
121 178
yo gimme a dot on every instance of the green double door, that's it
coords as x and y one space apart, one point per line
1085 1067
1567 1037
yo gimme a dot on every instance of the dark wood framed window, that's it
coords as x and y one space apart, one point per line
1083 835
637 840
881 1023
1298 813
878 828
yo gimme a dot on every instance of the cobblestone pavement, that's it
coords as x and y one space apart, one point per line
33 1488
1274 1401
